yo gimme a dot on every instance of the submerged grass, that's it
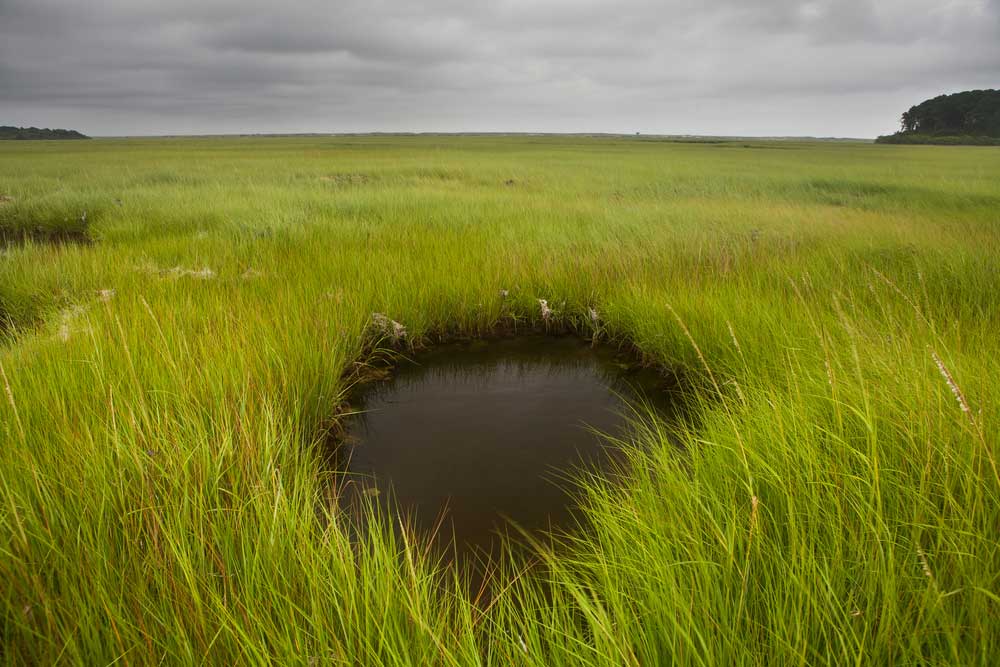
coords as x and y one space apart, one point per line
166 391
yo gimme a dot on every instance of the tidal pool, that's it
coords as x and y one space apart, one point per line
489 433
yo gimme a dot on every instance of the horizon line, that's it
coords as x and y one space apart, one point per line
415 133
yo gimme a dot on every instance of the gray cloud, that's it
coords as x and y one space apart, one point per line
845 67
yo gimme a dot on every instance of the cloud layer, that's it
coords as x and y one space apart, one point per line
765 67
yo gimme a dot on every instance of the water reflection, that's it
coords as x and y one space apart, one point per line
487 432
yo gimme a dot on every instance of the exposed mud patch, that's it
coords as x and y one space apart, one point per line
19 237
346 179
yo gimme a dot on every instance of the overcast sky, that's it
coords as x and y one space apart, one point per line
744 67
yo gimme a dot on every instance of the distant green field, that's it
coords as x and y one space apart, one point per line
178 316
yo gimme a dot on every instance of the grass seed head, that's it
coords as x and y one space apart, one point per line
952 385
924 565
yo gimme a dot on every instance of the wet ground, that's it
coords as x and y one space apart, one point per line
490 432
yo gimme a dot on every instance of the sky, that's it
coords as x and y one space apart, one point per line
844 68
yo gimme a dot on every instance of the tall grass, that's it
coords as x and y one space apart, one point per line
831 496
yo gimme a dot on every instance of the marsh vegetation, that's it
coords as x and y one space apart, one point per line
828 495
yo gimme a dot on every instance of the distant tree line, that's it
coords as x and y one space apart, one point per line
10 132
971 117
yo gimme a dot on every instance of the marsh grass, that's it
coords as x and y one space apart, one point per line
835 498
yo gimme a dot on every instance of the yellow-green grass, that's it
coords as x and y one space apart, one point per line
167 387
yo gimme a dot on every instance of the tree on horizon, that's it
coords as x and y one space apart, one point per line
973 113
30 133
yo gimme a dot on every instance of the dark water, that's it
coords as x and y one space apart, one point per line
488 433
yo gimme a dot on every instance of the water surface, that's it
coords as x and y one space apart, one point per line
490 432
